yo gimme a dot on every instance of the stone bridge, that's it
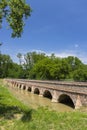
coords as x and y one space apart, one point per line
73 94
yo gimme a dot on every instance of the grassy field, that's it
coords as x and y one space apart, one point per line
14 115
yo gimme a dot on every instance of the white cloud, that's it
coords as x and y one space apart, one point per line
62 54
76 45
38 51
81 55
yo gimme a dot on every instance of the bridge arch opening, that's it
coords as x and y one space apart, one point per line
65 99
36 91
47 94
20 86
17 85
24 87
29 89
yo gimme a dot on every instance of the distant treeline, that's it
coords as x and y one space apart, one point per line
35 65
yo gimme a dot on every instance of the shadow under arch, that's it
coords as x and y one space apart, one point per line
36 91
20 86
29 89
24 87
17 85
47 94
65 99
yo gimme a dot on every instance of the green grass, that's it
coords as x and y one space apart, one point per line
14 115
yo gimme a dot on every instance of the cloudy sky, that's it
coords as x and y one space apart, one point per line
55 26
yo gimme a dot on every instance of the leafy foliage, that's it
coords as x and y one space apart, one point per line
8 68
40 66
14 11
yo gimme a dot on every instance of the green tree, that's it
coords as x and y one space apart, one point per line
15 71
55 71
15 11
30 59
73 64
80 74
5 64
41 70
64 69
37 56
10 69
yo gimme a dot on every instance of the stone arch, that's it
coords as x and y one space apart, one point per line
24 87
17 85
29 89
20 86
36 91
66 99
47 94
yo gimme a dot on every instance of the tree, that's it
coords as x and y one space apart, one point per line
55 71
37 56
41 70
5 64
15 71
80 74
10 69
30 59
14 11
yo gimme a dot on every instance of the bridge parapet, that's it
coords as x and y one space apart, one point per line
77 87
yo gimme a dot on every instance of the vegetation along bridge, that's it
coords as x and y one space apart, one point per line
70 93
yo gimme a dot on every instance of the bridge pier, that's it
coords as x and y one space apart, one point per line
41 93
54 96
32 91
54 100
26 88
19 86
78 103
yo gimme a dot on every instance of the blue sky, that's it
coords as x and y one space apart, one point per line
55 26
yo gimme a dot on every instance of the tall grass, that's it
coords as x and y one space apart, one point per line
14 115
